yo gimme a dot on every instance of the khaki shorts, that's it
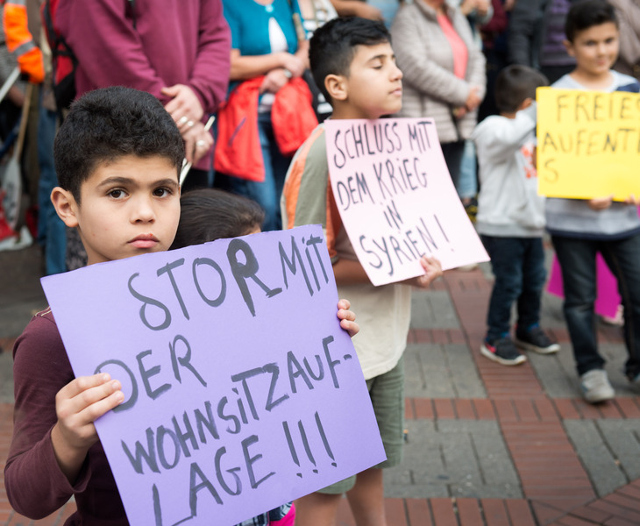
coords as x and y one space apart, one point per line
387 398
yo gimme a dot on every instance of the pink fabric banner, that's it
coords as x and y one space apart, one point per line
607 300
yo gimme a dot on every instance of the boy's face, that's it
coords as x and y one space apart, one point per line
595 49
374 85
128 207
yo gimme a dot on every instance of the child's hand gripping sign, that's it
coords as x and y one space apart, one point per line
396 198
588 144
242 392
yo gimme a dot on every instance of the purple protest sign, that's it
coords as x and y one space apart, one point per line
242 391
396 198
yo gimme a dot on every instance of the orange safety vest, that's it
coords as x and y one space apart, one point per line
20 41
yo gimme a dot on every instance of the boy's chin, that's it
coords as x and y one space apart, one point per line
387 113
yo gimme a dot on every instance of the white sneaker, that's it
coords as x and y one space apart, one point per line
596 387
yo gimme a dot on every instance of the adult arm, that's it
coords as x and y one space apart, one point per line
476 65
210 74
417 67
357 8
251 66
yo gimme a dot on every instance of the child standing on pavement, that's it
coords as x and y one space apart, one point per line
510 217
118 156
354 65
582 228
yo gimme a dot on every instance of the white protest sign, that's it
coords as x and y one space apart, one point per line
396 198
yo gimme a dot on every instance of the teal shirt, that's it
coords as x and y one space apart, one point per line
249 23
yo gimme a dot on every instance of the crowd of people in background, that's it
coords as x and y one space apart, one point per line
210 51
245 92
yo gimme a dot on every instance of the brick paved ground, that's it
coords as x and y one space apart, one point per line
487 445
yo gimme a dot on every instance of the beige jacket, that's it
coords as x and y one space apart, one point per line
423 53
629 19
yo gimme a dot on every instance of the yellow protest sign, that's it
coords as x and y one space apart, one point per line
588 144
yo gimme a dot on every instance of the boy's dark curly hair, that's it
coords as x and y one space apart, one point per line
106 124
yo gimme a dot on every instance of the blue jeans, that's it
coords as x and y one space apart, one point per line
51 230
577 258
518 267
266 193
468 182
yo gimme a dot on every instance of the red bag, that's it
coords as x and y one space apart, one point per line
292 116
237 150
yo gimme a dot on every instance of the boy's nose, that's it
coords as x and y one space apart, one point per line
397 73
143 211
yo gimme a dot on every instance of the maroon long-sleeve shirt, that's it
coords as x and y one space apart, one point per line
35 485
173 42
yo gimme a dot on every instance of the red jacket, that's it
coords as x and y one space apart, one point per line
238 151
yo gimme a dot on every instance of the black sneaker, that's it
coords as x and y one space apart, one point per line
502 351
536 340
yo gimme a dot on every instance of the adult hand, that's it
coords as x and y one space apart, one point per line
460 112
467 6
184 106
482 7
347 318
365 10
432 270
273 81
293 64
600 203
197 142
473 99
78 405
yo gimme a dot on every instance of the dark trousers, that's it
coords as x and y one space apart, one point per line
577 258
453 153
518 267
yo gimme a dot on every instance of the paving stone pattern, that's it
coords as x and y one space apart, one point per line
486 444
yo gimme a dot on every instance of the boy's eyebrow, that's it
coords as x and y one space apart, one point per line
381 56
128 180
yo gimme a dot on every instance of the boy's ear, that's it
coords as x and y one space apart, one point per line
569 47
336 86
525 103
65 205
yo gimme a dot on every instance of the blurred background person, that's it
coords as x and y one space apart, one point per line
268 46
444 72
536 37
628 12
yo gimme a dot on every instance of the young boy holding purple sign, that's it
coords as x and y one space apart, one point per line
118 156
354 66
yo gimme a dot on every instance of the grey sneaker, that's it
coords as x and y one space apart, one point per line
596 387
